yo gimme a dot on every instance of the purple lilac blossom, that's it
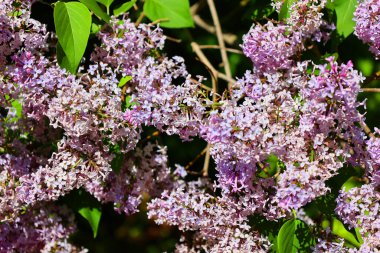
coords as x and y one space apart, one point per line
367 18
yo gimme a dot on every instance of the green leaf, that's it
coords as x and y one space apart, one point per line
86 205
339 230
72 24
124 8
352 182
272 169
92 215
106 3
18 107
93 6
176 12
124 80
287 241
63 61
344 10
285 10
128 103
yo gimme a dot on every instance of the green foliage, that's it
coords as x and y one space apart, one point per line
294 236
123 8
272 166
87 206
285 10
267 228
173 13
287 241
18 107
344 10
93 6
106 3
337 228
72 24
352 182
92 215
123 81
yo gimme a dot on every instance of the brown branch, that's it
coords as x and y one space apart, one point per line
206 164
219 35
173 39
225 78
140 18
207 63
366 129
370 89
191 163
216 74
232 50
201 84
229 38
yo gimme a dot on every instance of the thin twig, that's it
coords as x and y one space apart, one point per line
214 73
371 89
159 21
154 134
225 78
366 129
206 164
206 62
232 50
219 35
173 39
140 18
229 38
191 163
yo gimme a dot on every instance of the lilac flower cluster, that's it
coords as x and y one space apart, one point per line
367 18
284 130
359 208
373 161
220 223
145 171
293 116
68 131
273 47
43 228
132 51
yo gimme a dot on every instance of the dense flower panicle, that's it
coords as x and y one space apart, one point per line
65 171
18 31
373 162
306 16
271 47
274 47
37 228
125 46
360 208
91 108
220 221
143 171
293 116
154 100
367 18
170 108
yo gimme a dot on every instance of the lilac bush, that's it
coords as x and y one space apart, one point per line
277 136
